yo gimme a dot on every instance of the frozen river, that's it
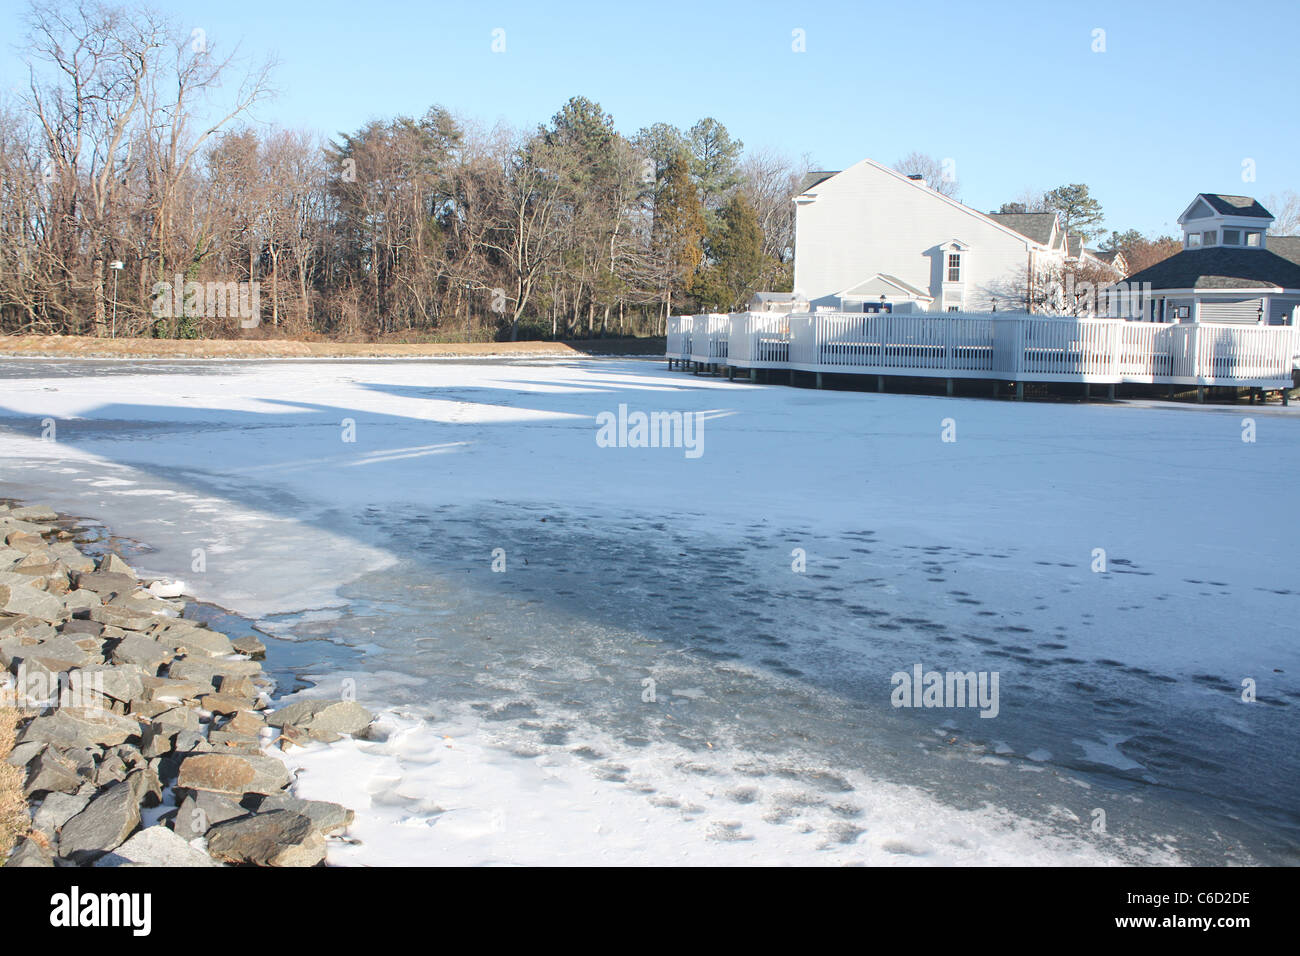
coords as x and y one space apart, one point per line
621 654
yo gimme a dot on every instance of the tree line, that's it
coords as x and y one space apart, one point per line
132 163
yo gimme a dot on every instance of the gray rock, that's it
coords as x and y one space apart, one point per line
191 741
146 786
251 646
22 599
36 513
325 816
81 727
102 582
323 718
51 772
124 682
232 773
125 618
103 826
184 639
77 601
137 649
156 846
212 669
201 810
56 810
177 719
276 838
22 754
29 854
78 628
113 564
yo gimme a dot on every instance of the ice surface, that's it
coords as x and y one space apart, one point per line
516 728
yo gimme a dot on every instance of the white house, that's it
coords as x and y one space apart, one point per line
870 238
1230 269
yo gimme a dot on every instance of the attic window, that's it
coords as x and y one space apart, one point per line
954 267
1193 240
1253 238
1211 237
1232 237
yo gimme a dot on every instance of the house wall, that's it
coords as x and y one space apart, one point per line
868 219
1244 311
1282 309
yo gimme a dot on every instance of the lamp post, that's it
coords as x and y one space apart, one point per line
116 265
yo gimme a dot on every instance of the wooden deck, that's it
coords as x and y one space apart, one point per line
1020 348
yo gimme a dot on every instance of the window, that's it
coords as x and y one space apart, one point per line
1232 237
954 267
1211 237
1193 240
954 308
1252 238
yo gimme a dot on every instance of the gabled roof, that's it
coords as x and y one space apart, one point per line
1242 206
1219 267
883 283
1035 225
1288 247
815 177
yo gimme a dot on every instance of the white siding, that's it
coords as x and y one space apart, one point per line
869 220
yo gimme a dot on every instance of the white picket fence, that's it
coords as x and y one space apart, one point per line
1019 348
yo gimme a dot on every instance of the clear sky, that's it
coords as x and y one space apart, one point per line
1013 92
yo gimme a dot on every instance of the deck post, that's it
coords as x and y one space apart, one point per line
950 388
1087 391
753 375
731 373
1200 394
1110 391
791 376
819 379
880 383
1020 391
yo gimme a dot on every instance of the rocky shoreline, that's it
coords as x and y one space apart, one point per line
144 738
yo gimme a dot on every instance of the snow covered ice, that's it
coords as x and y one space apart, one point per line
650 679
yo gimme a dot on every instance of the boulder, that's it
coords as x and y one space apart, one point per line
323 719
79 628
221 704
113 564
137 649
201 810
251 646
326 817
275 838
56 810
51 772
81 727
232 773
102 582
37 513
212 669
103 826
24 599
156 846
185 639
125 618
167 689
29 854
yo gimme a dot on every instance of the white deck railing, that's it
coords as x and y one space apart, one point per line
986 345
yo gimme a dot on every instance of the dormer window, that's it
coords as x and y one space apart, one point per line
954 267
1211 237
1232 237
1254 238
1193 240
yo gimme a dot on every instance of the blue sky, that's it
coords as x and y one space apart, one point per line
1011 91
